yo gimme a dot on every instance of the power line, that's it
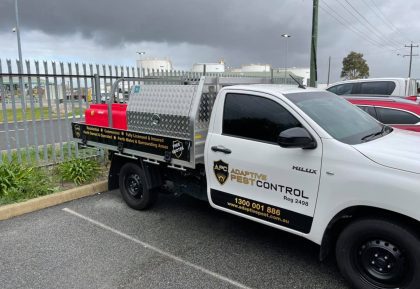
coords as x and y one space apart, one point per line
386 19
370 26
370 37
348 25
381 17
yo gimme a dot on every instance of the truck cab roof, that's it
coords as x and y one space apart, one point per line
274 89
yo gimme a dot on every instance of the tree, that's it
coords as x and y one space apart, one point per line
354 66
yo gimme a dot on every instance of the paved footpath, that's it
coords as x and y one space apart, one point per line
98 242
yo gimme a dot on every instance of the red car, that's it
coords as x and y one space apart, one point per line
393 111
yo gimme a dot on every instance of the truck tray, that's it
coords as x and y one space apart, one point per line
160 148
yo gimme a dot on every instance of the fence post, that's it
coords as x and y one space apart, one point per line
5 119
272 75
14 109
97 88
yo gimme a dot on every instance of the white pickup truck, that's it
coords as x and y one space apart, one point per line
301 160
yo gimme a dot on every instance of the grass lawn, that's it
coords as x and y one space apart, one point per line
37 112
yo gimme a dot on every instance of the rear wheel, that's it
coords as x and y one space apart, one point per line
134 187
378 254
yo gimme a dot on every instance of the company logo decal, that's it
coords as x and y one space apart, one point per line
177 148
260 180
221 171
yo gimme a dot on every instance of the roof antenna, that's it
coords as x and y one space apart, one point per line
300 85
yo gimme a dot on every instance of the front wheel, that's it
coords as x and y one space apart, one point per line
379 254
134 187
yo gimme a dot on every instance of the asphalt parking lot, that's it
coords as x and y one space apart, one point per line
98 242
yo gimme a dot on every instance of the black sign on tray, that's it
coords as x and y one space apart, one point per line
153 144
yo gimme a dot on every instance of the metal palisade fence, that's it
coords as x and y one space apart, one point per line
39 100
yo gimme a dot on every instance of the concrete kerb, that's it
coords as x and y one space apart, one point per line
14 210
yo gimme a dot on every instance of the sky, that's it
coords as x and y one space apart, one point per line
193 31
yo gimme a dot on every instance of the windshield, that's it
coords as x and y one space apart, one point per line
342 120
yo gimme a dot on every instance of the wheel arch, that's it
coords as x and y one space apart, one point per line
152 172
346 216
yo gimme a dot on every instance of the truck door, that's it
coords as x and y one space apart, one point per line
249 174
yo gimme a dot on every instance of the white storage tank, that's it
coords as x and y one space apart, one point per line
210 67
155 64
256 68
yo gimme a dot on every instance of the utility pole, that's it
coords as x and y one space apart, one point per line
314 39
411 57
329 69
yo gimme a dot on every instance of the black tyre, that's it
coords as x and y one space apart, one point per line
134 188
379 254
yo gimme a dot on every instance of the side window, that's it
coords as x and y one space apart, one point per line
394 116
369 109
342 89
332 89
255 117
377 87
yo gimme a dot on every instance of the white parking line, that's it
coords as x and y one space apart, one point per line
157 250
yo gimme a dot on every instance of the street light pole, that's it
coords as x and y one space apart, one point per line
20 68
140 53
285 59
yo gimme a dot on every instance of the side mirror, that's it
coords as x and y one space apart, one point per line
296 137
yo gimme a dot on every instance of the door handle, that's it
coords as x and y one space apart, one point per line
221 149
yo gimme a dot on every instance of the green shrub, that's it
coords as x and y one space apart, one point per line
19 182
79 171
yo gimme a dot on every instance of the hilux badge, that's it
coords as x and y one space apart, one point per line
304 170
221 171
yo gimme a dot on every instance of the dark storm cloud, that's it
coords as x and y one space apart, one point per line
194 21
234 25
241 31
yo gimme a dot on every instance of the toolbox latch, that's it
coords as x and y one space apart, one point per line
120 146
167 157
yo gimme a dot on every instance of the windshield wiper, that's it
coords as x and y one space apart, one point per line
384 127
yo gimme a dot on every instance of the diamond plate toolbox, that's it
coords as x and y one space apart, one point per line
161 110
